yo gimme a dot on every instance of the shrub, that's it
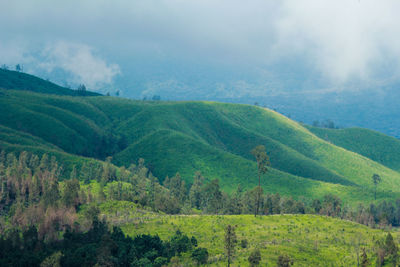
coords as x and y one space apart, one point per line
255 258
244 243
200 255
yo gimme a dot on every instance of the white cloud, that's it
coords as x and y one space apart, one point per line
344 39
339 41
80 61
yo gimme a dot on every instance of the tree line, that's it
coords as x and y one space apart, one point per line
30 189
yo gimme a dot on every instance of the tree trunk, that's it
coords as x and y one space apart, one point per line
258 195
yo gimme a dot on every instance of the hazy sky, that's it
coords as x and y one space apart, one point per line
235 47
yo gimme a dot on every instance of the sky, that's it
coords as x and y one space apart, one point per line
207 49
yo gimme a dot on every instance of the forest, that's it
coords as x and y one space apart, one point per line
47 219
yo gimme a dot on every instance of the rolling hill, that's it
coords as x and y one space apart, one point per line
371 144
214 138
22 81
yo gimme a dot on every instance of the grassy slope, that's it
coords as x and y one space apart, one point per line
22 81
310 240
184 137
69 123
371 144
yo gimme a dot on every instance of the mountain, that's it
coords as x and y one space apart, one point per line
211 137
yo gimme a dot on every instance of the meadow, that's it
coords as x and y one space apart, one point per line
309 240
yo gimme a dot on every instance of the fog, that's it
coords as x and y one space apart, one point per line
221 48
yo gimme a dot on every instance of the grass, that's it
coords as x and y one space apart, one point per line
22 81
310 240
371 144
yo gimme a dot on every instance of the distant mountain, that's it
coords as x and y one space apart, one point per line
22 81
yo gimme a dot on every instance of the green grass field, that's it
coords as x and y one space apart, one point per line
214 138
310 240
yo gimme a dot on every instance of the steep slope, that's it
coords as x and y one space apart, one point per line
186 137
22 81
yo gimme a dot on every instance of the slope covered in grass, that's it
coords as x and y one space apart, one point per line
185 137
22 81
310 240
70 123
371 144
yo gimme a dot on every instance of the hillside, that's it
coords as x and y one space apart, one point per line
371 144
309 240
214 138
22 81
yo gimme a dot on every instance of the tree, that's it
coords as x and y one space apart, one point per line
18 67
391 249
213 197
71 193
255 258
180 243
81 88
376 179
195 194
262 163
230 243
53 260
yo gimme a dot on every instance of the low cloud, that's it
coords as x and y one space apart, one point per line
332 42
80 61
344 39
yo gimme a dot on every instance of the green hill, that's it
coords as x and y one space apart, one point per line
22 81
371 144
214 138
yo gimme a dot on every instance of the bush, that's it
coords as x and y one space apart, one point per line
180 243
160 261
244 243
193 240
200 255
284 261
255 258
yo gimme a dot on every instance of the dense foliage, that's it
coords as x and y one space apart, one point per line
96 247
